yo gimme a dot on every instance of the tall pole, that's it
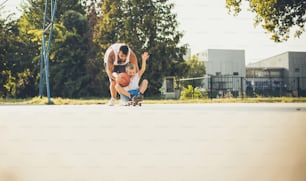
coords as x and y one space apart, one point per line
46 46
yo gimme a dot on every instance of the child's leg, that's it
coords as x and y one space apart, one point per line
122 91
143 86
124 99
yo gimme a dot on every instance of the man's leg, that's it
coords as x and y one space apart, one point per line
112 86
113 93
112 89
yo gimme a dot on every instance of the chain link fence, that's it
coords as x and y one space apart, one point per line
234 86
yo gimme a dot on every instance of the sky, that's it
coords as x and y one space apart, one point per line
206 24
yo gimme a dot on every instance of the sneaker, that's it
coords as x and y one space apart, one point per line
111 102
124 103
137 98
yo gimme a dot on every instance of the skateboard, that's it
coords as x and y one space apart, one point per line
137 100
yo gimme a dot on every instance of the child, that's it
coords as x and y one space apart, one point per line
134 89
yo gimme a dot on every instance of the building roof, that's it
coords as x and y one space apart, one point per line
266 59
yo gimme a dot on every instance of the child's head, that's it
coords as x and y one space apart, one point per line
130 69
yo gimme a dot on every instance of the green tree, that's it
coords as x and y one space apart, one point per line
6 82
67 5
73 71
277 17
95 68
16 65
68 60
110 23
196 69
145 25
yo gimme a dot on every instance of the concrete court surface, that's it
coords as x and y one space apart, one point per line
184 142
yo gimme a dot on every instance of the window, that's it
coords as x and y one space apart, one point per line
235 73
296 70
170 84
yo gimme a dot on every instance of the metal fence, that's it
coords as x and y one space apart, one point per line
234 86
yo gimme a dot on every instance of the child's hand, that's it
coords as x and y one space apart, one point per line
145 56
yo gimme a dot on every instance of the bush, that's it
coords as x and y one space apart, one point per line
192 93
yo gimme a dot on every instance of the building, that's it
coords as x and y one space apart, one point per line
225 69
293 62
282 75
187 55
203 56
169 89
265 81
227 75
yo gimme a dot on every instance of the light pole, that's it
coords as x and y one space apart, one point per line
46 45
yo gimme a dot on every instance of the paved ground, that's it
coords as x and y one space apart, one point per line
190 142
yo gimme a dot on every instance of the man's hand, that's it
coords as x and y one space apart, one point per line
145 56
114 76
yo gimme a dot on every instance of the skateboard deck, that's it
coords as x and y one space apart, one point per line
135 101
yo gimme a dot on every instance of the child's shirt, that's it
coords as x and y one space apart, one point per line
134 83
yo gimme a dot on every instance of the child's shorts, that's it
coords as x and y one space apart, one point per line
133 93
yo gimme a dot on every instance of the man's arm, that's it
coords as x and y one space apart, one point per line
144 57
110 66
133 60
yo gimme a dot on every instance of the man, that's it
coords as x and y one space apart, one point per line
116 57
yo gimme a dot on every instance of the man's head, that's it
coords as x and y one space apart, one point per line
123 53
130 69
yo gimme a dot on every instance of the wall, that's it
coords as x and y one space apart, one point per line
297 64
226 62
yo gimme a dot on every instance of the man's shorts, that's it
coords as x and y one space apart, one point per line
119 68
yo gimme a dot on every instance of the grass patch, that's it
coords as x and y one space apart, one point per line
55 101
89 101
